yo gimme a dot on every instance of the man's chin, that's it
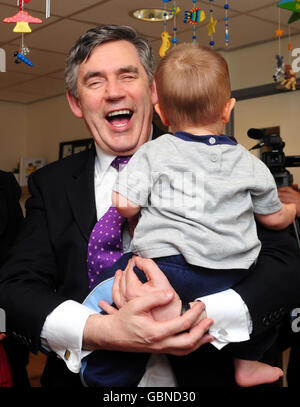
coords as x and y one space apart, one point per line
127 150
121 146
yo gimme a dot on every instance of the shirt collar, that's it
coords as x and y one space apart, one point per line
209 140
103 160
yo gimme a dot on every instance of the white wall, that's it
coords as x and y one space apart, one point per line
35 130
12 134
49 123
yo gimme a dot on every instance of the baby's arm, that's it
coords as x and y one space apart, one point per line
278 220
127 209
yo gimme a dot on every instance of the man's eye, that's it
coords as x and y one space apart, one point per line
94 83
128 77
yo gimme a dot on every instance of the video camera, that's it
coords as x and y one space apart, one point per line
274 157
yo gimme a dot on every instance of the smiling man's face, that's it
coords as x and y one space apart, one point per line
115 98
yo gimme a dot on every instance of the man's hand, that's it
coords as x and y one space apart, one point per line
133 329
289 195
127 286
148 318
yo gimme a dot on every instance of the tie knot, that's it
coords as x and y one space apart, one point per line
120 161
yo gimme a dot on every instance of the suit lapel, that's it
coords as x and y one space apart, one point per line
81 194
81 191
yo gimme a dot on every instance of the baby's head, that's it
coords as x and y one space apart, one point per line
193 86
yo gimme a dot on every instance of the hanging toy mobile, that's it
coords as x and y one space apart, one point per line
279 71
194 17
292 5
165 44
289 81
289 76
20 57
174 11
22 20
48 6
226 19
211 26
165 36
279 68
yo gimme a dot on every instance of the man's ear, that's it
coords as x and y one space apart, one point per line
162 115
228 109
75 105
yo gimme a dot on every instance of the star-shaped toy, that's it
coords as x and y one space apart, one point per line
279 32
211 26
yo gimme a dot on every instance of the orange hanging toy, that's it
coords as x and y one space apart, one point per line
22 20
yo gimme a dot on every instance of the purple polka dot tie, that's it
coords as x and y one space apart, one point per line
105 244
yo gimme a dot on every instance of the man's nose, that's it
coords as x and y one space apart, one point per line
114 89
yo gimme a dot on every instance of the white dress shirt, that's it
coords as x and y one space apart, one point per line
63 329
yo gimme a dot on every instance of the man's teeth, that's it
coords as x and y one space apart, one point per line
119 112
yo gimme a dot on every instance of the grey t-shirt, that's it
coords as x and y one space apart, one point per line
198 195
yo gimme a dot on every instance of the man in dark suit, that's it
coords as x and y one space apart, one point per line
11 217
109 84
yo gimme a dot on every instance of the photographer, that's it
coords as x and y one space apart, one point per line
273 156
290 194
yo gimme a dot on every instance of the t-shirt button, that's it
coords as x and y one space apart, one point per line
213 158
212 140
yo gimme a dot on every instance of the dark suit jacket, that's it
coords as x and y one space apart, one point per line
10 212
11 217
48 262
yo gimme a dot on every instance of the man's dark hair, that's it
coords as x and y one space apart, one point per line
100 35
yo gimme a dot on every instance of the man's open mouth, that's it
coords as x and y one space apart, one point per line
119 118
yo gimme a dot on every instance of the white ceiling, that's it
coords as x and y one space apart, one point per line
251 22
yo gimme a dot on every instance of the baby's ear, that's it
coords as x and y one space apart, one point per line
228 109
162 115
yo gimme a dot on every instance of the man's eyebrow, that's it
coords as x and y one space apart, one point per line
128 68
92 74
99 74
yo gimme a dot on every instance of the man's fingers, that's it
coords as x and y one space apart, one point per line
152 271
284 189
130 282
116 294
148 302
185 343
188 342
186 321
124 282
